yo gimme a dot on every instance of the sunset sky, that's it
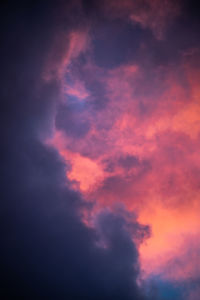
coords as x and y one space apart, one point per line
100 163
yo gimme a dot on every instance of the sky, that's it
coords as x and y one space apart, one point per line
100 138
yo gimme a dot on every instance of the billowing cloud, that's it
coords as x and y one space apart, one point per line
101 168
46 249
141 149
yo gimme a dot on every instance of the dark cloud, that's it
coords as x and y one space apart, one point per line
46 251
92 79
129 161
116 43
71 121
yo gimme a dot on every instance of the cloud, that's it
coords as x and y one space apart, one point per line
98 113
155 15
142 146
47 251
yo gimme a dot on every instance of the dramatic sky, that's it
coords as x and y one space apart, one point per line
100 150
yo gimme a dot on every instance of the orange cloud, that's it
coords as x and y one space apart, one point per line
142 150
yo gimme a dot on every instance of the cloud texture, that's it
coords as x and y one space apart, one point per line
100 158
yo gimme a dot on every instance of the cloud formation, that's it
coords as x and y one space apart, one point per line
46 250
100 165
141 147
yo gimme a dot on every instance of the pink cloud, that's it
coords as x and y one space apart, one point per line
156 132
